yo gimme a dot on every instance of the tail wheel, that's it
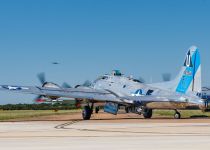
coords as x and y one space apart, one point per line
97 109
147 113
177 115
86 113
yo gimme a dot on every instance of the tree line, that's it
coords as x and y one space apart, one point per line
42 106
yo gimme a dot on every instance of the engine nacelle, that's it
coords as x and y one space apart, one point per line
51 85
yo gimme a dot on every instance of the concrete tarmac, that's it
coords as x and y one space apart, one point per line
123 134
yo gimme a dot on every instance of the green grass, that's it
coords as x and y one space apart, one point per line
24 114
17 114
184 113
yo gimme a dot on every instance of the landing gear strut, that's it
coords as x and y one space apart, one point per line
97 109
127 109
177 115
147 113
87 112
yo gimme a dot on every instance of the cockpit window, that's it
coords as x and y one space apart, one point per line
104 77
101 78
136 80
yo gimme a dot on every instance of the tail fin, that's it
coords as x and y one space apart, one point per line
189 78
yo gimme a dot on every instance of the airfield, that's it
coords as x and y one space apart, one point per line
104 131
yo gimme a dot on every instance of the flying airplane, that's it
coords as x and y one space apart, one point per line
115 90
55 63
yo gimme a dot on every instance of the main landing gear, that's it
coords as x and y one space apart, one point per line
87 111
177 115
147 113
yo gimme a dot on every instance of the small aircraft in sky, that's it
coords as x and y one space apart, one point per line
55 63
115 90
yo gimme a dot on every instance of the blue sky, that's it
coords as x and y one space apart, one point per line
91 37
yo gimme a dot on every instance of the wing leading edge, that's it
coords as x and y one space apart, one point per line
90 94
100 95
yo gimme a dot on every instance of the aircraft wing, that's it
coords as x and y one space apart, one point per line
98 95
177 98
78 93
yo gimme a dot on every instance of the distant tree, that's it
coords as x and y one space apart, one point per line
42 106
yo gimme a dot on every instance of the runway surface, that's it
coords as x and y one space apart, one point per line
106 134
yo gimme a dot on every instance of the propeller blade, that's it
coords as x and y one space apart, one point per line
38 99
66 85
41 77
166 76
141 80
87 83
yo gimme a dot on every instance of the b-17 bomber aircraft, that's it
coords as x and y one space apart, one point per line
116 90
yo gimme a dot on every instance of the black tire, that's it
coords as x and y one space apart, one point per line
127 110
97 110
86 113
177 115
147 113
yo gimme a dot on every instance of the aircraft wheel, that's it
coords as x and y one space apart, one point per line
147 113
86 113
97 109
127 109
177 115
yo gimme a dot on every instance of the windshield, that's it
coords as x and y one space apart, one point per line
136 80
101 78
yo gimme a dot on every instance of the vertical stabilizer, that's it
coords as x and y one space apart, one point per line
189 78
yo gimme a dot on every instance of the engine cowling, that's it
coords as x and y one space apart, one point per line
51 85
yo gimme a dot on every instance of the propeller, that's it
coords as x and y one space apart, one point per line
42 80
38 99
87 83
44 83
141 79
41 77
166 76
66 85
